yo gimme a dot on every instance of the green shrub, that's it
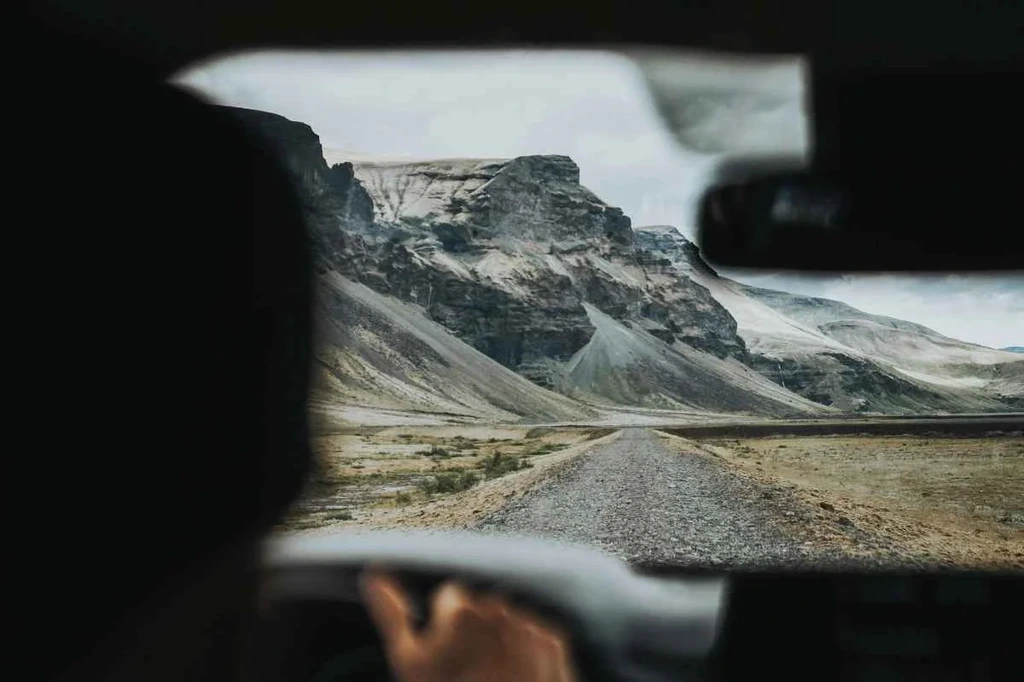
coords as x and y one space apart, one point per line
451 481
500 464
403 498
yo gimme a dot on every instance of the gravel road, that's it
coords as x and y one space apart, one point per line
641 500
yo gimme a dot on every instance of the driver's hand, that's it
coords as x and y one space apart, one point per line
468 638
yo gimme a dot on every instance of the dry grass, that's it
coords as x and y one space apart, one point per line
956 500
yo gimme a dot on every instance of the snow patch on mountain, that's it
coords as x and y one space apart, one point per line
911 347
765 330
422 189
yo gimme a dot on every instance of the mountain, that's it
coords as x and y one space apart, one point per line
512 268
374 351
525 230
977 374
528 266
809 346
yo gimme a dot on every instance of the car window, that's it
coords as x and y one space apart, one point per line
518 334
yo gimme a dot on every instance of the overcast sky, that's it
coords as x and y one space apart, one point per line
596 108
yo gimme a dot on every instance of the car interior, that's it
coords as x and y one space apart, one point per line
886 81
652 622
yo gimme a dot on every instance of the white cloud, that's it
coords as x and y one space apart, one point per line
594 107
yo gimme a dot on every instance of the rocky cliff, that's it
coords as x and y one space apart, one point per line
509 255
379 357
532 198
505 253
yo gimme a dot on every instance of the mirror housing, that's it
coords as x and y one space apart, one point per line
908 173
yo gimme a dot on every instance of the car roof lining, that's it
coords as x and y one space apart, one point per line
167 36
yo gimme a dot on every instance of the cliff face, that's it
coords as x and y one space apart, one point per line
702 321
521 324
535 198
540 198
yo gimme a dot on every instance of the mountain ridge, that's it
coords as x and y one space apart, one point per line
518 261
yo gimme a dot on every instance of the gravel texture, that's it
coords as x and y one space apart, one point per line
646 502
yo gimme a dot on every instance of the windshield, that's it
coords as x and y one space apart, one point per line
517 333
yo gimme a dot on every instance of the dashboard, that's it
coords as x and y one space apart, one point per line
656 624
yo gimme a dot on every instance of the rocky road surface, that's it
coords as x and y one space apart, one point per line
644 501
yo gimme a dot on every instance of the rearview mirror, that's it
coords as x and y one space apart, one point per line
907 173
817 222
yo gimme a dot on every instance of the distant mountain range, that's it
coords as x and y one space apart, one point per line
1014 349
502 289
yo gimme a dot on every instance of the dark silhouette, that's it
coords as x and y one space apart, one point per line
165 314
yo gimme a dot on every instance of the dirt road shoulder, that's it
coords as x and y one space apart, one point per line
466 508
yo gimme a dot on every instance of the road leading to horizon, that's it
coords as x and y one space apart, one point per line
644 501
